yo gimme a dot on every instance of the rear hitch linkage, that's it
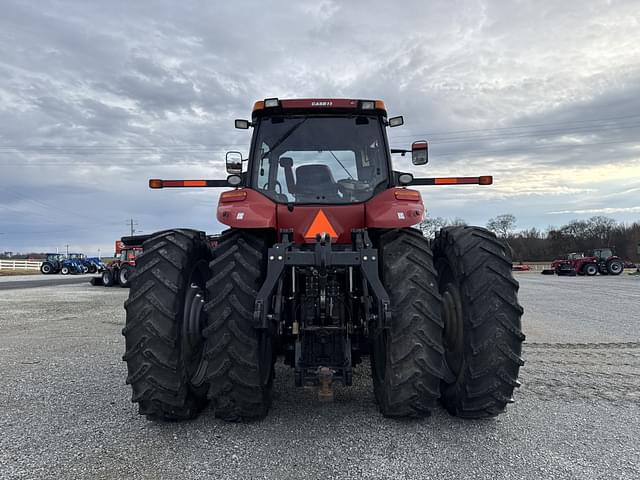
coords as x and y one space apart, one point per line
322 256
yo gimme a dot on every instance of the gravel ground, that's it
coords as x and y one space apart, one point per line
31 281
65 411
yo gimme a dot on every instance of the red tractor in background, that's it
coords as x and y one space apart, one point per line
321 267
600 260
119 270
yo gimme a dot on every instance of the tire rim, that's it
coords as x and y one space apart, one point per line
194 321
592 269
453 333
453 318
452 313
615 267
46 269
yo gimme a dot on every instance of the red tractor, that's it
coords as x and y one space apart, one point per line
119 270
599 260
320 267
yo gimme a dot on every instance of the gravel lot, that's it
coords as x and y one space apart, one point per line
65 411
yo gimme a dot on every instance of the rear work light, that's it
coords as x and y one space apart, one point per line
367 105
271 102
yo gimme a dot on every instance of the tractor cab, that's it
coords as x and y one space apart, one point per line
54 257
602 253
321 158
318 151
129 254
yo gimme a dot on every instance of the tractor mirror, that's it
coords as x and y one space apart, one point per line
234 163
243 124
396 121
420 152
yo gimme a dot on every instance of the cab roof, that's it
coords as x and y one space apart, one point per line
318 105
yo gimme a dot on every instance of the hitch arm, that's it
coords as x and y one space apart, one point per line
482 180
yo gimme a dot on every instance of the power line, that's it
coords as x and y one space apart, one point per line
57 210
546 133
521 149
530 125
528 149
190 148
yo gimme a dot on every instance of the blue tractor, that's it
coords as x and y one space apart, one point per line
71 265
52 263
87 264
96 265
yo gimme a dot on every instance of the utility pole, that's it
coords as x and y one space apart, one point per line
131 224
67 246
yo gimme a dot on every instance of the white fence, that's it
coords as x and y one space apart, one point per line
20 265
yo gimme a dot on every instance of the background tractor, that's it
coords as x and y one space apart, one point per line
87 264
118 271
52 263
320 267
599 260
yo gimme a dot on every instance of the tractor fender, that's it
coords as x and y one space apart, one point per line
394 208
246 208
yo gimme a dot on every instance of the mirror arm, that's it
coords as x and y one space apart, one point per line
401 151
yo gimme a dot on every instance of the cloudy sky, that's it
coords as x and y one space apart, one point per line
97 97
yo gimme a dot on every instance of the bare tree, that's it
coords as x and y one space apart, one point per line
502 225
432 225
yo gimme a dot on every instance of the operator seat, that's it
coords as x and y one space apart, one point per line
314 183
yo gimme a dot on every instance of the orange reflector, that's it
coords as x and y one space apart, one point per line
410 195
380 105
194 183
259 105
155 183
446 181
233 196
321 224
463 180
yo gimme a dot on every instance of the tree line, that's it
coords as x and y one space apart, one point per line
536 245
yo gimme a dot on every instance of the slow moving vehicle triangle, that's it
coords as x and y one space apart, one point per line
321 224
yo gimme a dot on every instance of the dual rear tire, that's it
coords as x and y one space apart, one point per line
455 333
190 338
